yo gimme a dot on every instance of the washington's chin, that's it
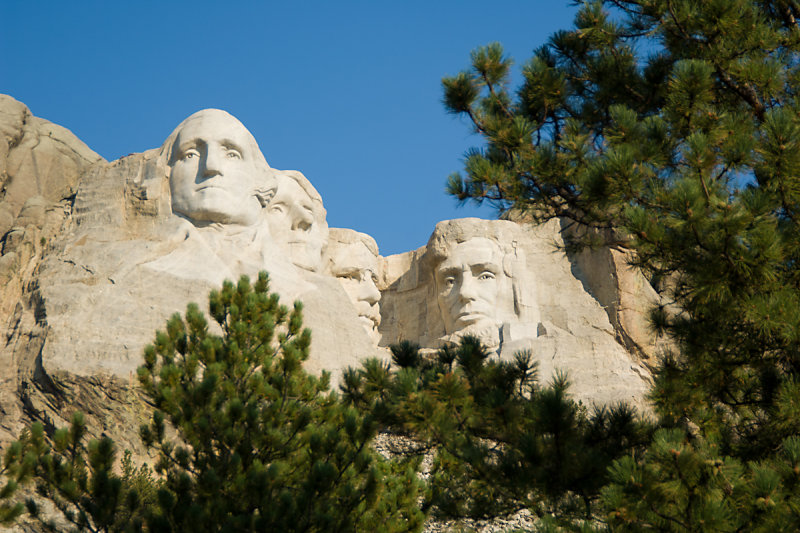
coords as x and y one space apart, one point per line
209 208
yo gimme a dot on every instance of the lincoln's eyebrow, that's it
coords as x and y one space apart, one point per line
444 271
491 267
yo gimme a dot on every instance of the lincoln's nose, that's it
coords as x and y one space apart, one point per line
468 289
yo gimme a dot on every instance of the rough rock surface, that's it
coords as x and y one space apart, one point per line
97 255
40 167
547 307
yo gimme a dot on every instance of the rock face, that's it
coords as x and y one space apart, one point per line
514 287
40 167
97 255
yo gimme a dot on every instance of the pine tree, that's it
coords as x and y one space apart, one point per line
669 128
245 439
501 441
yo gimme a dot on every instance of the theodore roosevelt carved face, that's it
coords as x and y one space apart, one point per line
217 172
297 220
470 284
354 262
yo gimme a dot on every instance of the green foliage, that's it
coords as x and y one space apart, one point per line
675 124
80 481
263 445
245 440
502 442
683 484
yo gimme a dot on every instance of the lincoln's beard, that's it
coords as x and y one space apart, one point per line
488 334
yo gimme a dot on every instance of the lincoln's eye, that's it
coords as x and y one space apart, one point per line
449 281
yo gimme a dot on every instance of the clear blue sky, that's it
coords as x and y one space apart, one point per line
346 92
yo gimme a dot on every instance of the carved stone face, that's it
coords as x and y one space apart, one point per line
471 286
356 267
213 174
297 222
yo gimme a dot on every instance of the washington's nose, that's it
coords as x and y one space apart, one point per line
213 163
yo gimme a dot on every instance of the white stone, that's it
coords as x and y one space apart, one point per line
296 219
96 256
157 230
514 287
353 260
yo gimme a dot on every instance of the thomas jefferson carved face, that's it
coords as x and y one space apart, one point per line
356 267
470 285
214 173
297 222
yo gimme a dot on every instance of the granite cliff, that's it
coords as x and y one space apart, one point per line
96 255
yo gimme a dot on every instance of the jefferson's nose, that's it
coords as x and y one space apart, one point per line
302 220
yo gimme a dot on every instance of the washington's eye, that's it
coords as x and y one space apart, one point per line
189 154
233 154
486 276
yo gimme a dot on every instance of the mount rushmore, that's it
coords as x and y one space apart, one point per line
97 255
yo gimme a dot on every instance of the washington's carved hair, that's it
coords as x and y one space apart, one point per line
267 183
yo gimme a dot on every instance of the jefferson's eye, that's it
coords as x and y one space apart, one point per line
233 154
278 208
486 276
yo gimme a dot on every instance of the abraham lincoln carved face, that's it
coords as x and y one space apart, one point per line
470 282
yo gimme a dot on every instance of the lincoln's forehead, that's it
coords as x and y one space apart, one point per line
475 251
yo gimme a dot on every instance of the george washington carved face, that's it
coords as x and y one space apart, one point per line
217 170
